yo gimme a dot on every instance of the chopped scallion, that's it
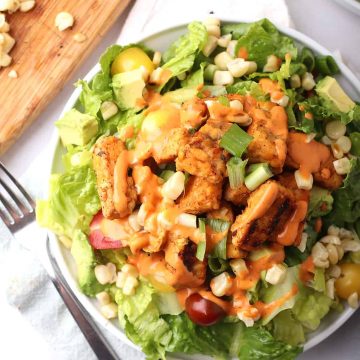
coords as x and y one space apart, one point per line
236 171
220 249
253 167
217 265
258 176
218 225
166 174
235 140
201 247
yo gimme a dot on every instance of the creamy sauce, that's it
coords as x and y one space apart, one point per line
309 156
264 203
288 236
120 183
271 87
155 266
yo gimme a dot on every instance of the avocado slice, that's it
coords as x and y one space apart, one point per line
128 89
76 128
85 260
329 89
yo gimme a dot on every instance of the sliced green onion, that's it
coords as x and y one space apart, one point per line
201 247
235 140
217 265
167 174
236 171
223 100
218 225
258 176
220 249
209 72
326 65
253 167
307 58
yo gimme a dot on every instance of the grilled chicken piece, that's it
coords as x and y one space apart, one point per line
326 175
193 113
181 262
203 157
215 129
269 130
238 196
167 149
287 180
200 196
269 208
105 155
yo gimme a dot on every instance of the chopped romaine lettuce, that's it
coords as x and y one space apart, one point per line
346 207
320 203
263 39
180 56
310 307
288 329
72 202
247 87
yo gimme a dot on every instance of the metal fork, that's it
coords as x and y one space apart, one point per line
17 209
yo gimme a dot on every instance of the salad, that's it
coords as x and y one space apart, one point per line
210 194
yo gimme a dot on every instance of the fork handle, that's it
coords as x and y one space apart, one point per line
87 325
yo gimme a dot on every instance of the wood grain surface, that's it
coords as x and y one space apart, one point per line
45 58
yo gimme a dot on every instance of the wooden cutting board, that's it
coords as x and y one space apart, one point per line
45 58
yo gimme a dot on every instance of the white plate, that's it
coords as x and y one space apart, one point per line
160 41
352 5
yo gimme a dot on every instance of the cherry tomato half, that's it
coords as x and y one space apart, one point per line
202 311
349 280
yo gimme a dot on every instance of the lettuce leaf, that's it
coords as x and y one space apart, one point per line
321 202
180 57
91 99
263 39
287 329
275 292
346 207
258 344
141 320
72 202
247 87
310 307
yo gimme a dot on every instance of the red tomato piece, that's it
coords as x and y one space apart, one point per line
202 311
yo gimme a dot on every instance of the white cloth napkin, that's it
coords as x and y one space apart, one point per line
26 284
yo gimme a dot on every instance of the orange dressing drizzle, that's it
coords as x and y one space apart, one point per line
269 308
289 234
308 155
307 270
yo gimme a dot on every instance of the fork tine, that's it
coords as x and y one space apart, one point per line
19 186
5 219
13 213
20 205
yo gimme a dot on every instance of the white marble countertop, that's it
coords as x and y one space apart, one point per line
323 20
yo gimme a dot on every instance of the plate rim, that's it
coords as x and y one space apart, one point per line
57 247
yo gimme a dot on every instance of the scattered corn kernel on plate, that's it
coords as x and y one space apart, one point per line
234 233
